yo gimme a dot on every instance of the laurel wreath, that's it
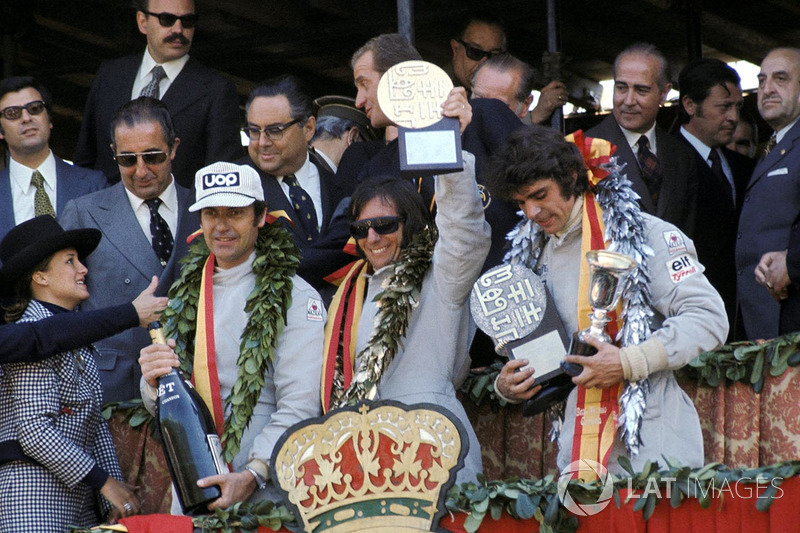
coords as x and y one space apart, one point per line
399 297
277 258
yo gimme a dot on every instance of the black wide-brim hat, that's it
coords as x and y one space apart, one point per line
34 240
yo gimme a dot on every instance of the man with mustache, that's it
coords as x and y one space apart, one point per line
36 182
661 168
769 240
711 99
204 105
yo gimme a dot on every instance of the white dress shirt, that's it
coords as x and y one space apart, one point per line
143 77
633 139
168 210
23 191
308 178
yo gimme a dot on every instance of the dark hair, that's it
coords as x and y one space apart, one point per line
330 127
388 49
401 194
259 206
17 83
536 153
647 49
144 109
300 104
482 17
144 5
23 294
699 76
508 63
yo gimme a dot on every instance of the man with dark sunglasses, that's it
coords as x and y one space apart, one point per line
481 36
36 182
204 105
145 223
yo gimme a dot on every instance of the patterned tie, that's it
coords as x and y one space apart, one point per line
651 169
722 179
159 230
151 89
41 202
773 140
303 206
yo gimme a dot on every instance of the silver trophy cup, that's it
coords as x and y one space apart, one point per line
608 273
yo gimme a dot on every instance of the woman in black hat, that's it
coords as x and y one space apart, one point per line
50 418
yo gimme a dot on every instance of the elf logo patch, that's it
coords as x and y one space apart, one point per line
314 310
681 268
486 196
675 242
211 181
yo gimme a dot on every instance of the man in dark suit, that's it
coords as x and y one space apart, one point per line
662 169
145 223
36 182
711 99
768 242
204 105
280 125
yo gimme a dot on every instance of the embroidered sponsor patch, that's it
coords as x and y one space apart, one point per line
213 180
681 268
675 242
486 196
314 310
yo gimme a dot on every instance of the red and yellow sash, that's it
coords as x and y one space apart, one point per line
204 373
597 409
341 332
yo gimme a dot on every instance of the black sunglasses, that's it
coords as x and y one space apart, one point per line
149 158
15 111
168 20
382 226
476 54
274 132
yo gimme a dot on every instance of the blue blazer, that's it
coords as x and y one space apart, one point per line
205 112
677 199
71 182
771 206
120 268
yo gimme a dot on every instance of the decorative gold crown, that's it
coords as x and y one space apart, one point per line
377 466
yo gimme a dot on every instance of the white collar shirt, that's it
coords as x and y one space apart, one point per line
308 178
144 75
22 190
168 210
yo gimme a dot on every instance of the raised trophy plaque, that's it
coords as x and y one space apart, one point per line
512 306
410 95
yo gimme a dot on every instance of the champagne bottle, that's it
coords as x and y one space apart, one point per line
191 445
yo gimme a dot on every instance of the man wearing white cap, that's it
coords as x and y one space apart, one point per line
237 293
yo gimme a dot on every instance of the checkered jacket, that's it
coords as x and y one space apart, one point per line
53 409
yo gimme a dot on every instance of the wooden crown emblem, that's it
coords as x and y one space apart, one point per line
371 467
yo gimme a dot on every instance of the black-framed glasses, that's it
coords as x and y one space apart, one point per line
13 112
168 20
274 132
475 53
153 157
382 226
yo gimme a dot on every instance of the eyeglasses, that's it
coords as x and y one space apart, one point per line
15 111
155 157
382 226
475 53
167 20
273 132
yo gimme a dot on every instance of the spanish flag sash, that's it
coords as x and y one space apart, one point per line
341 333
204 373
597 409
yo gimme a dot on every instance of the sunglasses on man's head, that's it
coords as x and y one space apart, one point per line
168 20
382 226
15 111
155 157
475 53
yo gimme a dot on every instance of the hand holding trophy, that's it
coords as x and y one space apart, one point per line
608 273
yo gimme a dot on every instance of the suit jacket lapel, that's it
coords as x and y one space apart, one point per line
67 185
774 156
7 211
277 201
124 232
185 89
625 155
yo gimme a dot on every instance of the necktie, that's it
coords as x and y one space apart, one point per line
41 202
773 140
719 174
159 230
303 206
152 89
651 170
